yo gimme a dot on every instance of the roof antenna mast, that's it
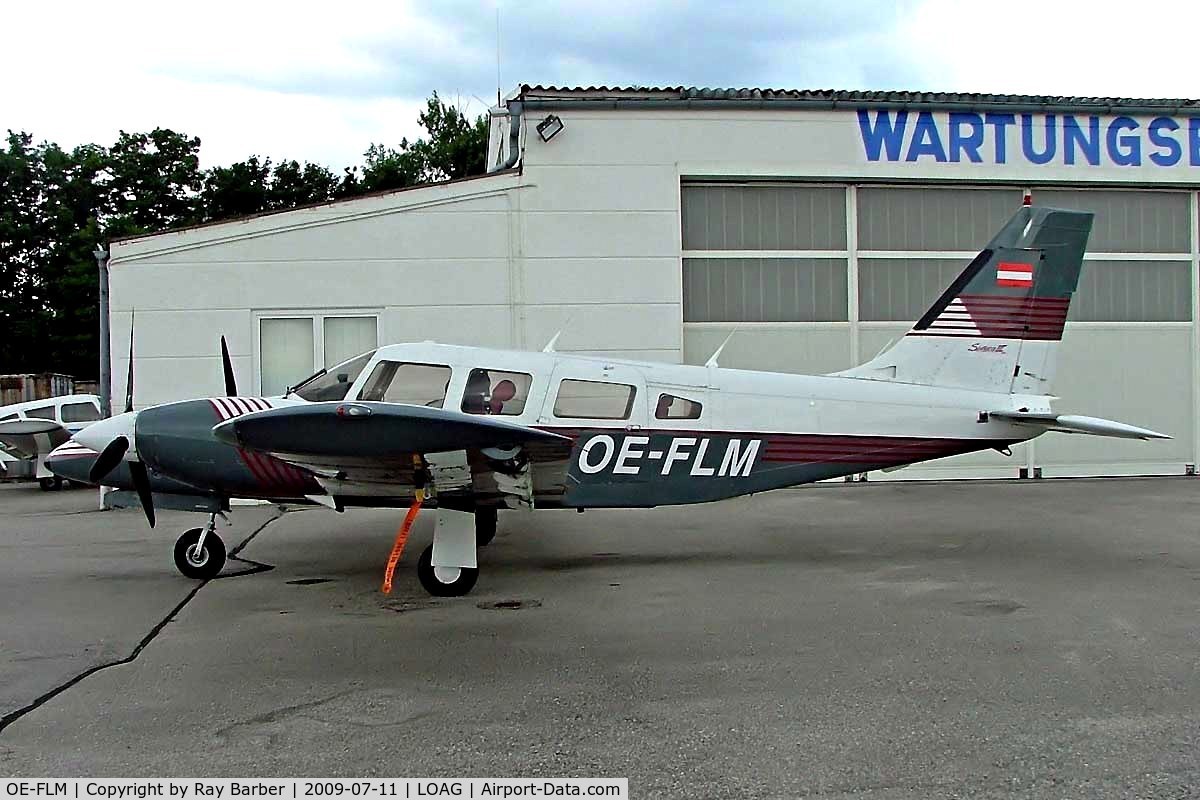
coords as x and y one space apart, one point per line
497 53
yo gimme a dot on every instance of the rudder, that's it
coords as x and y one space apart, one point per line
997 326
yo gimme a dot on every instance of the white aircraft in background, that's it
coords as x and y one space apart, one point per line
30 430
470 430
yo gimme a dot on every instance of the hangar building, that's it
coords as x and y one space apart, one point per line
649 223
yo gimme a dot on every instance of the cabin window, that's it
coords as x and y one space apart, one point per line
594 400
8 417
41 412
672 407
80 412
332 384
414 384
493 391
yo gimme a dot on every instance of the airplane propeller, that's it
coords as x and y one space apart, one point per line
141 484
109 458
227 364
123 431
115 451
129 377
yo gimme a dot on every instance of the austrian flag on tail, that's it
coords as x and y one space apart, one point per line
1012 274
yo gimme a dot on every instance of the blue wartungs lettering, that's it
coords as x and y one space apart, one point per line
969 144
1087 143
926 141
883 135
1051 139
1064 139
1000 123
1160 139
1124 150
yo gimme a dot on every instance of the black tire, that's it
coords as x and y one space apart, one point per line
462 585
211 560
485 526
50 484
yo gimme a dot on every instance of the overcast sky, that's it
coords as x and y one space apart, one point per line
322 81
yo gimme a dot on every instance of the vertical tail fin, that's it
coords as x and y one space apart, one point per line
997 327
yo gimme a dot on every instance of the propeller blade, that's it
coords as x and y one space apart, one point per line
141 482
230 382
108 459
129 379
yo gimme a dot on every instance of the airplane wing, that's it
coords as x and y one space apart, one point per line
20 437
354 448
1072 423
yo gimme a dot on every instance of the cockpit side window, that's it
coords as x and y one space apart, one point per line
332 384
493 391
400 382
671 407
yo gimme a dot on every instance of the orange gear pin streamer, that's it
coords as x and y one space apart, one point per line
401 540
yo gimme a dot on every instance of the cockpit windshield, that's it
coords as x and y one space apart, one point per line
332 383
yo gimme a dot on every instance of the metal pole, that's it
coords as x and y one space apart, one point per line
105 361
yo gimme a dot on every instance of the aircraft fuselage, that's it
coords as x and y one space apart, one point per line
753 432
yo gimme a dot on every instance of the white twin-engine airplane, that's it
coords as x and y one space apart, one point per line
470 430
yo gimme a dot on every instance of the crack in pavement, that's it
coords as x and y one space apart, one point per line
257 566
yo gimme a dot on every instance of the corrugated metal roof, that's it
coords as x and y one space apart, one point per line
704 95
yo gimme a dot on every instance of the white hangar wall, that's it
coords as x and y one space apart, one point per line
922 220
609 229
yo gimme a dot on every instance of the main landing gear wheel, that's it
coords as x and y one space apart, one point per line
199 564
445 581
50 484
485 526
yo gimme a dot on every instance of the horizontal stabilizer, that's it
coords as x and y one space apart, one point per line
1072 423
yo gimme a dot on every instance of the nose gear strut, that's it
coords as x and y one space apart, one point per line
199 552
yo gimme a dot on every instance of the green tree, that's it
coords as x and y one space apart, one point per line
73 205
57 205
154 182
51 202
237 190
454 148
295 185
385 168
22 245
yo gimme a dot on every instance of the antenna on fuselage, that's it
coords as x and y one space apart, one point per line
712 360
549 348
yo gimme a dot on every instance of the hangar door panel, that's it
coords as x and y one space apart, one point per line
1126 352
772 259
819 278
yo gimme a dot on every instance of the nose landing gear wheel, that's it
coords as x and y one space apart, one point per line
50 484
203 564
445 581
